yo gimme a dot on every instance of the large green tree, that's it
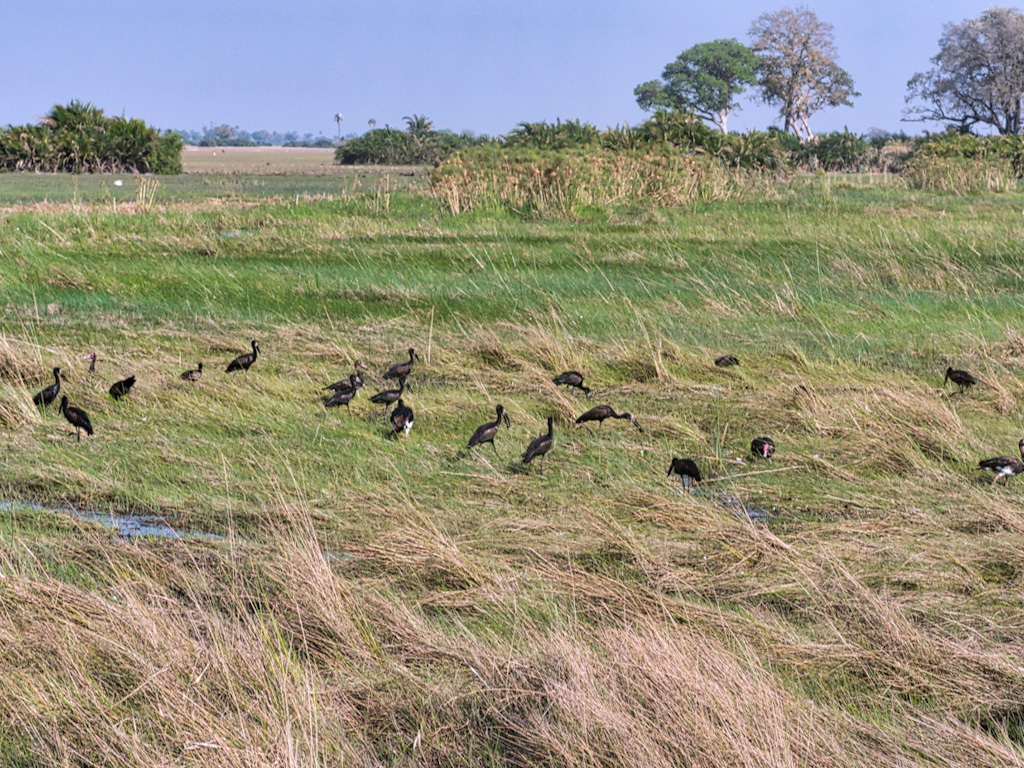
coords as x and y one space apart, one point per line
704 79
978 74
797 69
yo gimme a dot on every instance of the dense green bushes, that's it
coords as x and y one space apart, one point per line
390 146
78 138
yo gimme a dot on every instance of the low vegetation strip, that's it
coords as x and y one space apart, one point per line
407 601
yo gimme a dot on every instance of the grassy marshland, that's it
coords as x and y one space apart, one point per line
401 602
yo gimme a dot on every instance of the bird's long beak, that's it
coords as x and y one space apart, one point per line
764 450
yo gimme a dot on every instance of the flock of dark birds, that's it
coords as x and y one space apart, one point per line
344 390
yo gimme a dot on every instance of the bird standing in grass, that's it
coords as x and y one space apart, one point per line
1004 466
389 396
91 357
194 375
401 370
962 379
762 448
571 379
121 388
76 417
601 412
47 395
726 360
341 397
539 446
243 362
485 432
401 418
687 469
355 381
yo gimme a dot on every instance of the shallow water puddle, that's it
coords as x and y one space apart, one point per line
126 526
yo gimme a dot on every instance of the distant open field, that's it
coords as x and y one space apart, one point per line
279 160
359 599
243 172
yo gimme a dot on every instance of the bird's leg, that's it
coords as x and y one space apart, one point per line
599 425
495 449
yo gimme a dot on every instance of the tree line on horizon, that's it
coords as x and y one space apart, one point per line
226 135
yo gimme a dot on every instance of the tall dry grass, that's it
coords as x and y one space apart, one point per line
567 184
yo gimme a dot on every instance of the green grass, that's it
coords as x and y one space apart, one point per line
406 602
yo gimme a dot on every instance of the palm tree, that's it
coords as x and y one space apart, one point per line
337 121
418 126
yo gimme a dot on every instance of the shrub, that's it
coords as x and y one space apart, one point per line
165 153
557 135
389 146
78 138
839 151
964 146
959 174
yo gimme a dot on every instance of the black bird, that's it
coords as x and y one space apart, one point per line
76 417
46 396
194 375
571 379
1004 466
389 396
355 381
341 397
726 360
485 432
401 418
601 412
120 388
539 446
961 378
686 469
401 370
349 386
242 362
762 447
91 357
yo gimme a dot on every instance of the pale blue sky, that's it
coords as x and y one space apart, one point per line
467 64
